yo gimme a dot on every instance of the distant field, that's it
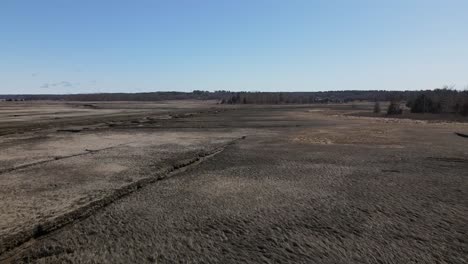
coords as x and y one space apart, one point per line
29 115
195 181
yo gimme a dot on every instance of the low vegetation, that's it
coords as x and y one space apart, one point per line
377 109
394 108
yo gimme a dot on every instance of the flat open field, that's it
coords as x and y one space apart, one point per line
196 182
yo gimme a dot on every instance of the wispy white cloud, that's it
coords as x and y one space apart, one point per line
62 84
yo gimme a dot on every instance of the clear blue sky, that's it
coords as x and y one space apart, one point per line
72 46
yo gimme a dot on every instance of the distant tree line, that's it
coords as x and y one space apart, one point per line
440 101
152 96
228 96
309 97
444 100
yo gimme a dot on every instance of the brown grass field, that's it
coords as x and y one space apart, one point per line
197 182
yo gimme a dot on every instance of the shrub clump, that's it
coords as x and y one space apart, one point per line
394 108
425 104
377 109
461 107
